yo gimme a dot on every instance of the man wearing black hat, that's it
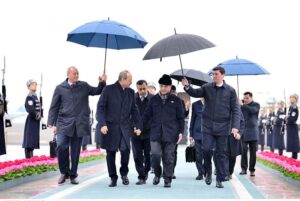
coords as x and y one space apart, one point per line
167 123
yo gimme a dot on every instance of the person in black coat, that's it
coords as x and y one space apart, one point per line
166 114
2 132
196 135
269 125
220 118
235 146
31 138
141 144
262 128
69 116
292 132
115 109
278 128
250 111
87 139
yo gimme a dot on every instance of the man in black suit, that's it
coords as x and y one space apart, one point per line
141 144
115 108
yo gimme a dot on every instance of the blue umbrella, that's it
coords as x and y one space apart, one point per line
241 67
107 34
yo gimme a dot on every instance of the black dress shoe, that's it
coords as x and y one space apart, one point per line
219 184
199 177
243 172
252 173
140 182
167 184
74 181
156 180
61 179
113 183
226 178
125 180
208 179
173 176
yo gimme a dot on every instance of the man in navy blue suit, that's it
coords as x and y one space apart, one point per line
69 114
115 108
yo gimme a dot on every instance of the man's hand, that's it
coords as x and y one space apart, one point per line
185 82
104 130
191 139
54 128
179 138
237 136
234 130
102 78
137 131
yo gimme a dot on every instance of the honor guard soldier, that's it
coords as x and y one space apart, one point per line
278 132
292 143
31 138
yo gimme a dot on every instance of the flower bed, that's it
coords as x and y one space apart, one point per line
288 166
38 164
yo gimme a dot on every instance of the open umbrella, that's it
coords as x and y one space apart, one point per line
241 67
176 45
195 77
107 34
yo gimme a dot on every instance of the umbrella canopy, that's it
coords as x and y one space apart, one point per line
176 45
107 34
242 67
195 77
236 67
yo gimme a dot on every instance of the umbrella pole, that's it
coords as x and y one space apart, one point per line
105 54
238 90
181 64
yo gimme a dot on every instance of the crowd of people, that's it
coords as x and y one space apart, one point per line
152 123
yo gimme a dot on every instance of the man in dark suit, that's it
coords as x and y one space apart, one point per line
69 115
220 117
115 108
141 144
167 123
250 111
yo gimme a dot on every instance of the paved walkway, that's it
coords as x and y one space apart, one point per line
93 179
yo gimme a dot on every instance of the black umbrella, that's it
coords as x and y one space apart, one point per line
195 77
177 44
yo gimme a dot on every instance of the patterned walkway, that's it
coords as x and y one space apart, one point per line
93 178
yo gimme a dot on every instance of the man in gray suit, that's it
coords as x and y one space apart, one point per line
69 115
221 116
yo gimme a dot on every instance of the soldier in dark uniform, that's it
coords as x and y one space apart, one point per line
2 133
31 138
278 131
165 111
269 125
141 144
87 139
262 120
292 142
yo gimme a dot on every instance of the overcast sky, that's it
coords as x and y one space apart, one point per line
33 38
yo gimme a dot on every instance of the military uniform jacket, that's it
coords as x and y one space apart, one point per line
167 120
221 108
69 110
292 143
32 125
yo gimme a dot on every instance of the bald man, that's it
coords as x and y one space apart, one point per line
69 116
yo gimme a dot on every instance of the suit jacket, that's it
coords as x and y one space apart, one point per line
167 120
250 113
196 120
69 110
114 110
221 108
